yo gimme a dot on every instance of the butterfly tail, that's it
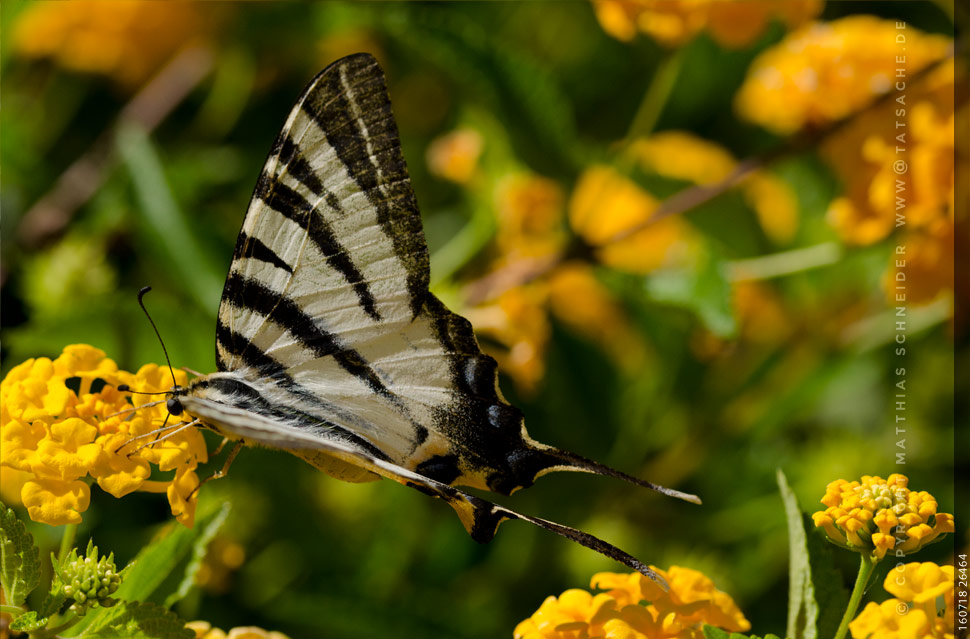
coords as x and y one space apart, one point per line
498 514
482 518
555 460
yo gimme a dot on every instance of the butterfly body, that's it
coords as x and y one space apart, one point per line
329 344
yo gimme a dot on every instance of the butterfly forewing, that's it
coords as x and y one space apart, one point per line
326 309
328 341
333 224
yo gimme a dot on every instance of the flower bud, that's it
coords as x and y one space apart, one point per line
88 580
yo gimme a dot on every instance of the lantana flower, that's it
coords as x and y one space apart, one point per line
825 71
454 156
635 606
828 71
922 606
126 41
732 23
876 516
205 630
64 423
609 215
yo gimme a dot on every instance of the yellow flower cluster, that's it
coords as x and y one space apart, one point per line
880 515
826 70
222 558
205 630
635 607
918 199
531 228
896 162
681 155
731 23
534 221
63 420
916 611
605 204
454 156
126 41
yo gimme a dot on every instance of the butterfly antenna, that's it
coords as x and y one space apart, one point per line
141 303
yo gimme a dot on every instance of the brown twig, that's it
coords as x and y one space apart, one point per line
158 98
519 273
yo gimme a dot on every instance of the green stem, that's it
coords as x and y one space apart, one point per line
14 611
67 542
866 566
53 632
656 96
786 263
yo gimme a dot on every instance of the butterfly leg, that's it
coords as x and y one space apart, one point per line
178 428
222 444
225 467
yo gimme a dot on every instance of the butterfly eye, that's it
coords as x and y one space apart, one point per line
174 406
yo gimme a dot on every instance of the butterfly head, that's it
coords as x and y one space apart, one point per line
173 403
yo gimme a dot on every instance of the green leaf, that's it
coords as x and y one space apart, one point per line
816 597
802 607
831 595
28 622
167 222
712 632
135 620
157 562
206 533
54 600
703 290
19 558
525 96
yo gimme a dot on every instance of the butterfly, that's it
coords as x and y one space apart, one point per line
329 344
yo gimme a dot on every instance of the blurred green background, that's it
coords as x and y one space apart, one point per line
549 93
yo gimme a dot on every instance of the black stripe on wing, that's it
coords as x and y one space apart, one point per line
294 162
348 100
242 350
243 396
295 207
257 298
254 248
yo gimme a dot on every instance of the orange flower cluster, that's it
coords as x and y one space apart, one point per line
535 221
532 229
877 515
205 630
63 420
635 607
896 162
731 23
827 70
902 178
683 156
126 41
454 156
914 611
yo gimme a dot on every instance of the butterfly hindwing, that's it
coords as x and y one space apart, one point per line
480 517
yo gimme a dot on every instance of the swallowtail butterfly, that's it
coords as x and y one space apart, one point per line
330 346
